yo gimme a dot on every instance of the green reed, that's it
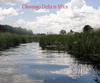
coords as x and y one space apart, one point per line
84 45
10 39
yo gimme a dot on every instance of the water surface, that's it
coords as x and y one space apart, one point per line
27 63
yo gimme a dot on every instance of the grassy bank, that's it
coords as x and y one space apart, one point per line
12 36
10 39
84 45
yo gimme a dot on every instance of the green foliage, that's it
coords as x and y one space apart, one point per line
10 39
17 30
63 32
87 28
81 45
13 36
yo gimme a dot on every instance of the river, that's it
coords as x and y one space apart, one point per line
28 63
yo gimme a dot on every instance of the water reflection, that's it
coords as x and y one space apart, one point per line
29 64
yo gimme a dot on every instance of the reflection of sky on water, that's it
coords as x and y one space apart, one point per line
29 64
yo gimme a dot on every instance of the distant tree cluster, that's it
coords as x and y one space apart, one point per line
18 30
63 32
86 28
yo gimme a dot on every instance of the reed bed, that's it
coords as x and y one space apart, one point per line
84 45
11 39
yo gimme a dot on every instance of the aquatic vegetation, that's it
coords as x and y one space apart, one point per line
84 45
10 39
13 36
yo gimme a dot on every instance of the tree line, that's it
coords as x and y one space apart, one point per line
17 30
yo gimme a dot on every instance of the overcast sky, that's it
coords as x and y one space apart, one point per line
77 14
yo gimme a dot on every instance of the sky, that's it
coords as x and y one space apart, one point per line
73 15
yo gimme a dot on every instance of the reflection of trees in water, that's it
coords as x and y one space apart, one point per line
97 80
79 70
97 76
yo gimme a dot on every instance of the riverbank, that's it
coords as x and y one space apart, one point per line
85 45
11 39
13 36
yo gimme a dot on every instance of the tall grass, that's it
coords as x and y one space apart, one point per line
85 45
11 39
13 36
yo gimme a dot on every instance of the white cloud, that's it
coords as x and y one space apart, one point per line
13 1
77 3
75 17
41 11
4 12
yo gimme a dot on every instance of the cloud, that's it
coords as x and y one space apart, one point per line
13 1
75 17
41 11
77 3
5 12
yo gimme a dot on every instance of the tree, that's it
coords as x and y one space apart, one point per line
71 31
17 30
87 28
63 32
